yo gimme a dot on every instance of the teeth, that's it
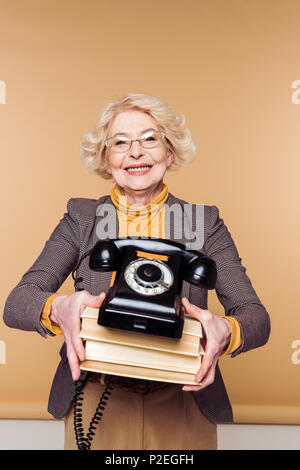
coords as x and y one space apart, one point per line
141 168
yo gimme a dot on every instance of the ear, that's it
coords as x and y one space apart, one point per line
106 164
170 157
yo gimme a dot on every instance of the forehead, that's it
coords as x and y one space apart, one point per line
131 122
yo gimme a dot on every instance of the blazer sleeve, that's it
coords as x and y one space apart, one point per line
234 288
58 258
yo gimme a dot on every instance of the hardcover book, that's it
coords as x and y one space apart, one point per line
139 355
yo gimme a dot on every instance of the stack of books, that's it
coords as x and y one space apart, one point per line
139 355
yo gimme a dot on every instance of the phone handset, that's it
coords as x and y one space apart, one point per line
196 268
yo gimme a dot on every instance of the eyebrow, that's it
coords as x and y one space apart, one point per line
126 133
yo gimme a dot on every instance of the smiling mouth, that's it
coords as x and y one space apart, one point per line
138 169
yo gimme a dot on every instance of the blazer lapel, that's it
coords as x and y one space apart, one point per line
178 224
174 230
106 227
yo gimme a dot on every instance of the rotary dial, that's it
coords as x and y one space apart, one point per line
148 276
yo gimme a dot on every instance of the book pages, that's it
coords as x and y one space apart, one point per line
123 354
139 372
139 355
188 344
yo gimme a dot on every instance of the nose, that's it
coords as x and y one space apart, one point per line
136 150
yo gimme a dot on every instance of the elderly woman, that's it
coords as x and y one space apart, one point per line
136 140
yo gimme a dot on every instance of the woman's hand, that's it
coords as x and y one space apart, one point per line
65 312
217 335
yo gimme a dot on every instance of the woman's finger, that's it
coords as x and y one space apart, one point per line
192 388
89 300
206 363
191 309
78 347
205 317
205 380
73 360
206 373
77 344
209 378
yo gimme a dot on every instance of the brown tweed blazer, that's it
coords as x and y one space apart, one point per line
76 234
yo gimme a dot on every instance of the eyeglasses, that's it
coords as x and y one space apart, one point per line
149 140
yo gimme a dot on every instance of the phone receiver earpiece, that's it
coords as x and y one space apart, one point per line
105 256
201 271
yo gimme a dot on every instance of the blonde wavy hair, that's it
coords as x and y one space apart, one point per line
179 139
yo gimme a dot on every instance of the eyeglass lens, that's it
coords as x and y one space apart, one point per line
121 143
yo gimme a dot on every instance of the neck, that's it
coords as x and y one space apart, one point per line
142 197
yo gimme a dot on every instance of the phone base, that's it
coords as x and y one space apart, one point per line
143 323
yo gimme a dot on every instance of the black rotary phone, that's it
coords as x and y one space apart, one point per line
145 294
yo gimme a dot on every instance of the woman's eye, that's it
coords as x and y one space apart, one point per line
120 142
149 138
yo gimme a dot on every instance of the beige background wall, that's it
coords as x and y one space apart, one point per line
229 67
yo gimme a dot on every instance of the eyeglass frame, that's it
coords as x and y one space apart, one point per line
135 140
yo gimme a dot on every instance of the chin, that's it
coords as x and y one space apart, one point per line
139 182
140 186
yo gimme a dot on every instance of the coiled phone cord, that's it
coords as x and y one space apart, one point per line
79 279
84 442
